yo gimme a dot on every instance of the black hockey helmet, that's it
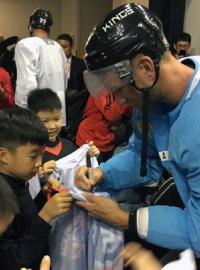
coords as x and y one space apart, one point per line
124 32
40 19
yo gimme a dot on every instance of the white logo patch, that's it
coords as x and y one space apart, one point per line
43 21
120 16
164 155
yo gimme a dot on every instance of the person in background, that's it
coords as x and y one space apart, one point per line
182 45
76 92
101 117
40 61
7 50
6 90
75 65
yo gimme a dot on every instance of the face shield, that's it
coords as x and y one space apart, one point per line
108 79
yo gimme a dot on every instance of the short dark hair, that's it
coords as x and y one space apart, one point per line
43 100
183 37
66 37
8 201
20 126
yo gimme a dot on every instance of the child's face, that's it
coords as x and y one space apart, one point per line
52 121
24 161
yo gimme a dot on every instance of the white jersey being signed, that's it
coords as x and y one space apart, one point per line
79 241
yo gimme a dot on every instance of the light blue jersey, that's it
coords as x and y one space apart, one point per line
174 143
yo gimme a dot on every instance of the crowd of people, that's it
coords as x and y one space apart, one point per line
133 102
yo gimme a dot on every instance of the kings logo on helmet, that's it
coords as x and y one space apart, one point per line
120 16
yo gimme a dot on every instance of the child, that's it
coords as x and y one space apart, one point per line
22 141
46 104
101 124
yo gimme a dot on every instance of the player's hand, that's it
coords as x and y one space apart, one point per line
85 180
105 209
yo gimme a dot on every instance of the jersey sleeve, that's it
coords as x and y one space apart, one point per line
123 170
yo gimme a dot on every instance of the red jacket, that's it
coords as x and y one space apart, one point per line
6 84
99 116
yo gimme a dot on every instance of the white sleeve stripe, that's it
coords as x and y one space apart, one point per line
142 222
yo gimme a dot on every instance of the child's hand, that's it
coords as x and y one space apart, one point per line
51 182
139 258
84 181
93 150
58 205
54 183
45 264
47 168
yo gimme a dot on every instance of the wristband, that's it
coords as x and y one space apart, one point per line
133 222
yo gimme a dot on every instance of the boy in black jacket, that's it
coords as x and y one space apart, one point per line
22 141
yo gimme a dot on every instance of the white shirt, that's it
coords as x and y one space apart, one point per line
69 62
41 63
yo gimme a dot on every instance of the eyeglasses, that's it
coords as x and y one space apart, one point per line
183 45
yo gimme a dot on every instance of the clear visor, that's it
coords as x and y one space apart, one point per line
108 79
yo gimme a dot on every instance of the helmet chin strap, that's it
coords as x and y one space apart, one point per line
145 127
145 122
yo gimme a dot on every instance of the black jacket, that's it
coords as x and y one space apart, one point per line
76 81
25 242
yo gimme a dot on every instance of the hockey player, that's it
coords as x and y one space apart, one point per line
41 62
128 54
